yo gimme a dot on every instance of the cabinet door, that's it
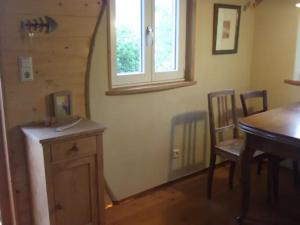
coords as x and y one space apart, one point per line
74 192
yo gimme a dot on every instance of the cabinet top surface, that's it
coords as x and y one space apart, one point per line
48 134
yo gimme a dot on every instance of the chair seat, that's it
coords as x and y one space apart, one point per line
234 147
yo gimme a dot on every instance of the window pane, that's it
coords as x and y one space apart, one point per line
129 51
166 17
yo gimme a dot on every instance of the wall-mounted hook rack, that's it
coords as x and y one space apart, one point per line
44 24
251 3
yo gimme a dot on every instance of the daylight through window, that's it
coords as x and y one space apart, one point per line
147 41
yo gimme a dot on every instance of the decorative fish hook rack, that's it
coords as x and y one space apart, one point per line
251 4
44 24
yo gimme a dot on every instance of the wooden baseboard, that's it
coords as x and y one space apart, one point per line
170 183
150 191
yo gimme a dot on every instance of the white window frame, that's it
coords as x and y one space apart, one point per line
148 76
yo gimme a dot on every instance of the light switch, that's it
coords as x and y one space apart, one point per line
25 68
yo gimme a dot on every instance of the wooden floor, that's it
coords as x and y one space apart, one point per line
184 203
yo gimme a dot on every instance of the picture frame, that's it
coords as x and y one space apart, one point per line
62 104
226 28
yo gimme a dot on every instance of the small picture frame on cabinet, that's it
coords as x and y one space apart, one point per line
61 104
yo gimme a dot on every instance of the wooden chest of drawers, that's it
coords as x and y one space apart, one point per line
66 174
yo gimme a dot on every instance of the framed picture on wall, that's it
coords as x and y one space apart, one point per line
62 104
226 29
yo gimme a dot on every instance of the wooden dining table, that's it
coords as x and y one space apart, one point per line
276 132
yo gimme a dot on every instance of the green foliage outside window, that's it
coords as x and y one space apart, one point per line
128 51
129 56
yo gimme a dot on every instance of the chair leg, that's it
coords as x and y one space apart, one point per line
269 180
296 173
276 165
259 166
231 174
211 174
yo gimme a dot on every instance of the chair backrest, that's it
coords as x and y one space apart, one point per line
225 114
252 95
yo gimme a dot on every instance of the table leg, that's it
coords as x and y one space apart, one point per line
245 162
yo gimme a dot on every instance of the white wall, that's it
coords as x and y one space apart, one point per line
144 128
274 53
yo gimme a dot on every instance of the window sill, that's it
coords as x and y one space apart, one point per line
149 88
292 82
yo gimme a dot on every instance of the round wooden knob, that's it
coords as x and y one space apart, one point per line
74 148
58 207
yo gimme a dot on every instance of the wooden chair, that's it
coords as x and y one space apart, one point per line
273 167
248 112
229 148
251 95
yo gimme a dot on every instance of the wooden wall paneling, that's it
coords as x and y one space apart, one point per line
78 8
45 68
34 109
7 196
5 200
48 79
77 47
60 63
19 175
68 26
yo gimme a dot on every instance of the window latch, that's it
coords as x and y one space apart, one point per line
149 36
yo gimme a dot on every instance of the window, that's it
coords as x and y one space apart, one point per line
147 41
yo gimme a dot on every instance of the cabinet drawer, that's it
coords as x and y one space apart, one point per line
73 148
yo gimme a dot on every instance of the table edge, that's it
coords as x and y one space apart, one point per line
268 135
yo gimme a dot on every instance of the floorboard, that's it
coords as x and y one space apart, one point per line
184 203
